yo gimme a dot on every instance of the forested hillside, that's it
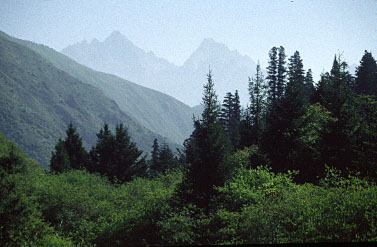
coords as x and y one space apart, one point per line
156 111
38 101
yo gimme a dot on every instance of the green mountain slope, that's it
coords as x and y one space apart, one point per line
37 101
156 111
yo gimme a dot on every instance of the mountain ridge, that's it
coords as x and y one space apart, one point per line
230 69
154 110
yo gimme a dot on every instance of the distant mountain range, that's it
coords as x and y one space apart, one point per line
119 56
38 100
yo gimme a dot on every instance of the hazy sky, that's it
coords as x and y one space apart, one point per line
174 29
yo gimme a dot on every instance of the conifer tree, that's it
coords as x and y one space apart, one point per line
155 153
257 92
59 160
366 75
231 116
166 159
227 112
335 94
206 150
116 157
77 154
281 73
101 154
236 119
309 89
272 74
126 157
281 137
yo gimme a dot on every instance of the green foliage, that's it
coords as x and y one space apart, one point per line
59 160
116 157
206 152
366 75
77 154
21 222
231 116
257 107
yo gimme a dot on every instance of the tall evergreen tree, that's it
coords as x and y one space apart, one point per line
231 116
272 74
335 94
281 73
211 111
309 89
59 160
155 155
101 154
257 92
127 158
206 150
281 136
227 112
236 119
166 158
77 154
366 75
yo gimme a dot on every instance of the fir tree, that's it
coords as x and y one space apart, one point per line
60 160
227 112
166 159
206 150
126 157
272 74
309 89
101 154
231 116
77 154
235 120
335 94
211 111
155 155
257 92
366 75
281 73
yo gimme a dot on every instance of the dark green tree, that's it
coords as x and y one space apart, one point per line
206 151
60 160
101 154
127 159
231 116
167 159
309 89
281 73
77 154
335 94
366 75
236 119
257 92
272 74
227 112
117 157
155 155
280 139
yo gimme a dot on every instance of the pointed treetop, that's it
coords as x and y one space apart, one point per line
211 105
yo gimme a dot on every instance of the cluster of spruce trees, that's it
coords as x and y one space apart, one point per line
113 156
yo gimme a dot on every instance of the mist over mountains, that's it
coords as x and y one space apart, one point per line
119 56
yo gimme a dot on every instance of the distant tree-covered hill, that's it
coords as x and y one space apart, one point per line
38 101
